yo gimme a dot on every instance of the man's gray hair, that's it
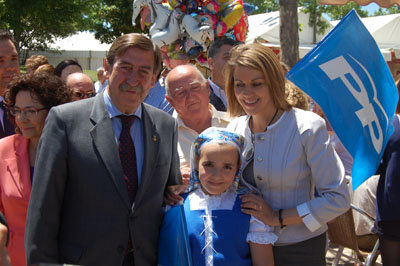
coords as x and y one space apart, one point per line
202 78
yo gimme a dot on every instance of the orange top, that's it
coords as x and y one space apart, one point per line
15 191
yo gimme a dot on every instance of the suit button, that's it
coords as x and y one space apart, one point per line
120 249
259 177
260 159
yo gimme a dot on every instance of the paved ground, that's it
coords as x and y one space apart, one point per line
330 256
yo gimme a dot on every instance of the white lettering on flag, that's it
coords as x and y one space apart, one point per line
338 68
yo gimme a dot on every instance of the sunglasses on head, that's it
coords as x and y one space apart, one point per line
81 94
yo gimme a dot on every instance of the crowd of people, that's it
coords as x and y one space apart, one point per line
86 168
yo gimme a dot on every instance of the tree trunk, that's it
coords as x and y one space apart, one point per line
289 32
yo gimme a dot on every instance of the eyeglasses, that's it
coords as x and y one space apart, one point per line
28 113
82 94
181 92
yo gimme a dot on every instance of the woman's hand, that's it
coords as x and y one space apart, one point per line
4 257
255 205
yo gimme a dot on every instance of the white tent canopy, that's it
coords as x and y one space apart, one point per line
266 27
82 47
82 41
386 32
384 29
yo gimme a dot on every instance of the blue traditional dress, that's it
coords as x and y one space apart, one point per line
218 231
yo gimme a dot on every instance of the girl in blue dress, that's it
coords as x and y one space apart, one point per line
219 233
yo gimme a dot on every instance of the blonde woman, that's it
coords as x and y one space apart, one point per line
289 158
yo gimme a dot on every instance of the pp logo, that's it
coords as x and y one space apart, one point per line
340 68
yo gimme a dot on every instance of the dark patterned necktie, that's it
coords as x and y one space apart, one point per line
127 156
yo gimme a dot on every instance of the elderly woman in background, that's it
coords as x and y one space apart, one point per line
66 67
288 158
46 68
28 99
34 62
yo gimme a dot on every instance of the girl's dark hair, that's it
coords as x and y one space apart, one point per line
48 89
63 64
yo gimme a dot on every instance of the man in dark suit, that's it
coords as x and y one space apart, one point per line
217 56
102 167
9 67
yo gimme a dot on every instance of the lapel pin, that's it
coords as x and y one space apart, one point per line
154 138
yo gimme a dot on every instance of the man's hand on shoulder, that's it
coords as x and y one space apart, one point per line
185 172
171 196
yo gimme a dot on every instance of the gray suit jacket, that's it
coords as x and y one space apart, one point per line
79 210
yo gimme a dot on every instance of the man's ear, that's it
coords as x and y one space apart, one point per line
170 100
208 87
210 62
153 80
107 69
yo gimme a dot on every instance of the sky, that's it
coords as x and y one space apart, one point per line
371 8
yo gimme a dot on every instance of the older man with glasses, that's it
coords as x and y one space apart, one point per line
188 93
81 86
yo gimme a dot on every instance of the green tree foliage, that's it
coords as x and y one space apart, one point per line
315 10
391 10
339 12
2 11
37 23
316 21
264 6
112 18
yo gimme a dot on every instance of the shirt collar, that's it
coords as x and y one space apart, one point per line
182 124
218 91
113 110
213 85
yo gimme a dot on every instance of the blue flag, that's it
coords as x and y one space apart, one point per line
174 246
348 77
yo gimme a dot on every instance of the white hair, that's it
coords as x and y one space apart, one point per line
203 79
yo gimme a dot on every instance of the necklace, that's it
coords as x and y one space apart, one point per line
250 154
269 123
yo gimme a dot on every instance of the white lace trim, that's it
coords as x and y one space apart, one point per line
201 201
261 237
260 233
